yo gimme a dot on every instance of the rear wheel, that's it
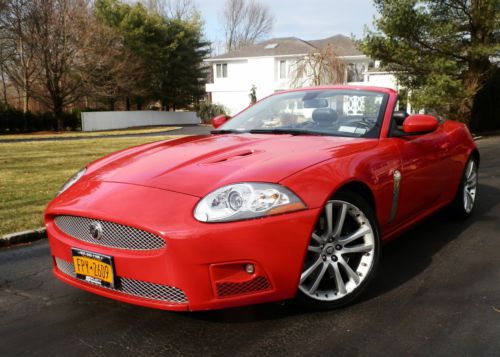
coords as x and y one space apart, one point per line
342 254
465 199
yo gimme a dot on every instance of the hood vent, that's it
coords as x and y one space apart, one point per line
231 157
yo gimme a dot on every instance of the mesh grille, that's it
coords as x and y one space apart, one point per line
135 287
259 283
113 235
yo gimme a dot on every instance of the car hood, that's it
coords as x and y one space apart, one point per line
199 164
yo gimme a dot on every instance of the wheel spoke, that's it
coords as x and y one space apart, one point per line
314 249
469 200
361 232
309 270
317 238
471 179
360 248
351 273
329 218
338 279
340 221
470 168
314 287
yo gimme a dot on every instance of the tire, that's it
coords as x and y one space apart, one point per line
465 199
340 263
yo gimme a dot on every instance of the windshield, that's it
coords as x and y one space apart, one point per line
350 113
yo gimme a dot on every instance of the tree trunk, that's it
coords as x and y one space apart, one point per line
18 97
26 95
4 88
58 113
26 100
484 116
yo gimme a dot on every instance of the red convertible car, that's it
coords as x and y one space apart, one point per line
291 198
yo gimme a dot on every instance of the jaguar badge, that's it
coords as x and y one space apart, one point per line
95 230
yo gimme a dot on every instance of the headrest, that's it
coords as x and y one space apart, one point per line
400 116
325 116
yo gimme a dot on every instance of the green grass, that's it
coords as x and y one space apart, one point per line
32 172
89 134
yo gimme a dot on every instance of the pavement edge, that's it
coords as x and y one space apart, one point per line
22 237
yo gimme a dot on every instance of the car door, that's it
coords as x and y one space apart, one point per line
424 171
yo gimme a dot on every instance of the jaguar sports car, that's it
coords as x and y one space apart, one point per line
290 199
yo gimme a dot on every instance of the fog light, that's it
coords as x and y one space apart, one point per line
249 268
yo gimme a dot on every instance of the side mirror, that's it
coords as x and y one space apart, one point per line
219 120
420 124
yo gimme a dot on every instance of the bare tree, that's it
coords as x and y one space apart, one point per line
319 68
5 52
180 9
59 31
174 9
3 49
108 70
18 52
3 70
246 22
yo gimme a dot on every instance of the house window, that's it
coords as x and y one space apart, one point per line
282 70
221 70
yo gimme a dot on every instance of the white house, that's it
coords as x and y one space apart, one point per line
269 66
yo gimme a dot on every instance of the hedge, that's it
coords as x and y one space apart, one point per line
15 121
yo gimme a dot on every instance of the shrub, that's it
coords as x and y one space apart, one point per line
15 121
206 111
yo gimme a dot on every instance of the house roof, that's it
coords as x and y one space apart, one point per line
341 45
273 47
286 46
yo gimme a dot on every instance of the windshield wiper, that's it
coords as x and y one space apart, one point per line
271 131
285 131
227 131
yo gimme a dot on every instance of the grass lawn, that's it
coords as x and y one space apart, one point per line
32 172
89 134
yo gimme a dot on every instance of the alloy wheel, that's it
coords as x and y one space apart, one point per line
340 254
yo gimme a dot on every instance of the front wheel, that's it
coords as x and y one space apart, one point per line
342 255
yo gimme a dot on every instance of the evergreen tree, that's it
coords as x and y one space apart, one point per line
172 51
443 51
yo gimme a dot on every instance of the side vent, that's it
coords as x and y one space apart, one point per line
229 289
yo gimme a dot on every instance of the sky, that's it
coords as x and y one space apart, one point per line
306 19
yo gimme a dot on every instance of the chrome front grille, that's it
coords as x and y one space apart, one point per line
134 287
113 235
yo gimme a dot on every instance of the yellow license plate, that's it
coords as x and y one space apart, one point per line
93 267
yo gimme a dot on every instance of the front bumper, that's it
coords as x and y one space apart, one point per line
204 261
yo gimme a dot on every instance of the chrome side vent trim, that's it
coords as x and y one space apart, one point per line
395 194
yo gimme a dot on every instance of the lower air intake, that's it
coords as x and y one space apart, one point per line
135 287
227 289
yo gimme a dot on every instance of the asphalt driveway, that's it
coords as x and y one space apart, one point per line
437 293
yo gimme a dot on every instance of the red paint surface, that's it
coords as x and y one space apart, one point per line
420 123
219 120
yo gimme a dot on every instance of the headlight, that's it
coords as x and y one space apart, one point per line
72 181
246 200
